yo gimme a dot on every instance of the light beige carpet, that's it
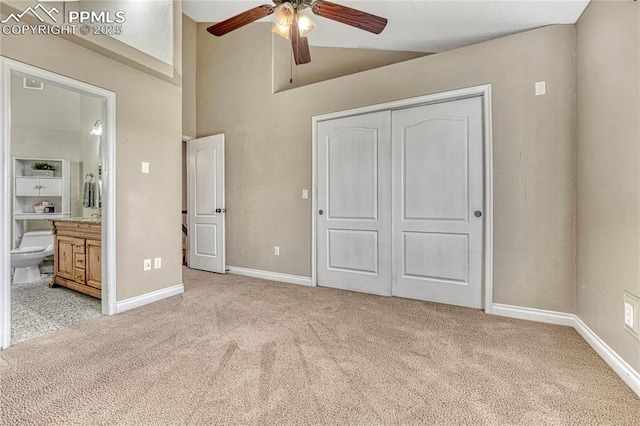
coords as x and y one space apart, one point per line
236 350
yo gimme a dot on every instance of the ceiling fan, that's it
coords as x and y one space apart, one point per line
294 25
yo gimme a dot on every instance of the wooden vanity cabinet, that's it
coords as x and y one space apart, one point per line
78 256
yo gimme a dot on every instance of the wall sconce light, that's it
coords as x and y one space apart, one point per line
97 128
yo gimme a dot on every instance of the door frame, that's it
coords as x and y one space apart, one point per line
482 91
7 66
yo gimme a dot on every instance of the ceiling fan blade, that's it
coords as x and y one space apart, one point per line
346 15
300 46
244 18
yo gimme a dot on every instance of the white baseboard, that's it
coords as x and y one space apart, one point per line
537 315
628 375
617 364
272 276
145 299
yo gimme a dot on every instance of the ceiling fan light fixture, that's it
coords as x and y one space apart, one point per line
285 14
283 31
305 25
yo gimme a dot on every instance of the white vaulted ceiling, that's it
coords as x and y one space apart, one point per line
416 25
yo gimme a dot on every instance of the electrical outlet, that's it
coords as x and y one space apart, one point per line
147 264
276 251
145 167
628 315
305 194
157 263
541 88
631 312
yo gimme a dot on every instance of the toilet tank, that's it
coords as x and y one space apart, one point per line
37 239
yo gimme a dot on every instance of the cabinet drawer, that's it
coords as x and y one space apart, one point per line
51 187
27 187
79 248
79 261
79 276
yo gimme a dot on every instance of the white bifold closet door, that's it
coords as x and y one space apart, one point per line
400 203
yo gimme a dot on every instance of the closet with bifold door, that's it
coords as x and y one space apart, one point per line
400 201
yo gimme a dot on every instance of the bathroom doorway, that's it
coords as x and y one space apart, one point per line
57 239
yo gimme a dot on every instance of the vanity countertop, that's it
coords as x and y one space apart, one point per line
97 221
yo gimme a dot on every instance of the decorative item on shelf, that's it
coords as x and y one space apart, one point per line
42 168
43 207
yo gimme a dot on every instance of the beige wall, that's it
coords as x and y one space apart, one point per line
149 127
113 47
608 164
327 63
268 151
189 29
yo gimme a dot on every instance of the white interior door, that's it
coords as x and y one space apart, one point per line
354 196
206 210
438 202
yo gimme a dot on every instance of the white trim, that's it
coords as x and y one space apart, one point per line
145 299
109 215
537 315
186 138
488 199
627 373
7 66
483 91
271 276
5 213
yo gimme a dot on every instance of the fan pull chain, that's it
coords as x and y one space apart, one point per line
291 66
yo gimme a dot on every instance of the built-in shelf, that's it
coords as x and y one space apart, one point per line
40 216
29 189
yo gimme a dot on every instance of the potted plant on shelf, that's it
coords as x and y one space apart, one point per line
42 168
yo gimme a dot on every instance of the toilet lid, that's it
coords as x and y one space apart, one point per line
28 250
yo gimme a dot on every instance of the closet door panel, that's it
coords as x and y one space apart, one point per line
354 203
438 201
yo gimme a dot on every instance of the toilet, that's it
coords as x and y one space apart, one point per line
34 247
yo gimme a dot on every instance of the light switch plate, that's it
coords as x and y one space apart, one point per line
157 263
276 251
632 303
541 88
147 264
145 167
305 194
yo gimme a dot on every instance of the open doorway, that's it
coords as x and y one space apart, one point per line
58 202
